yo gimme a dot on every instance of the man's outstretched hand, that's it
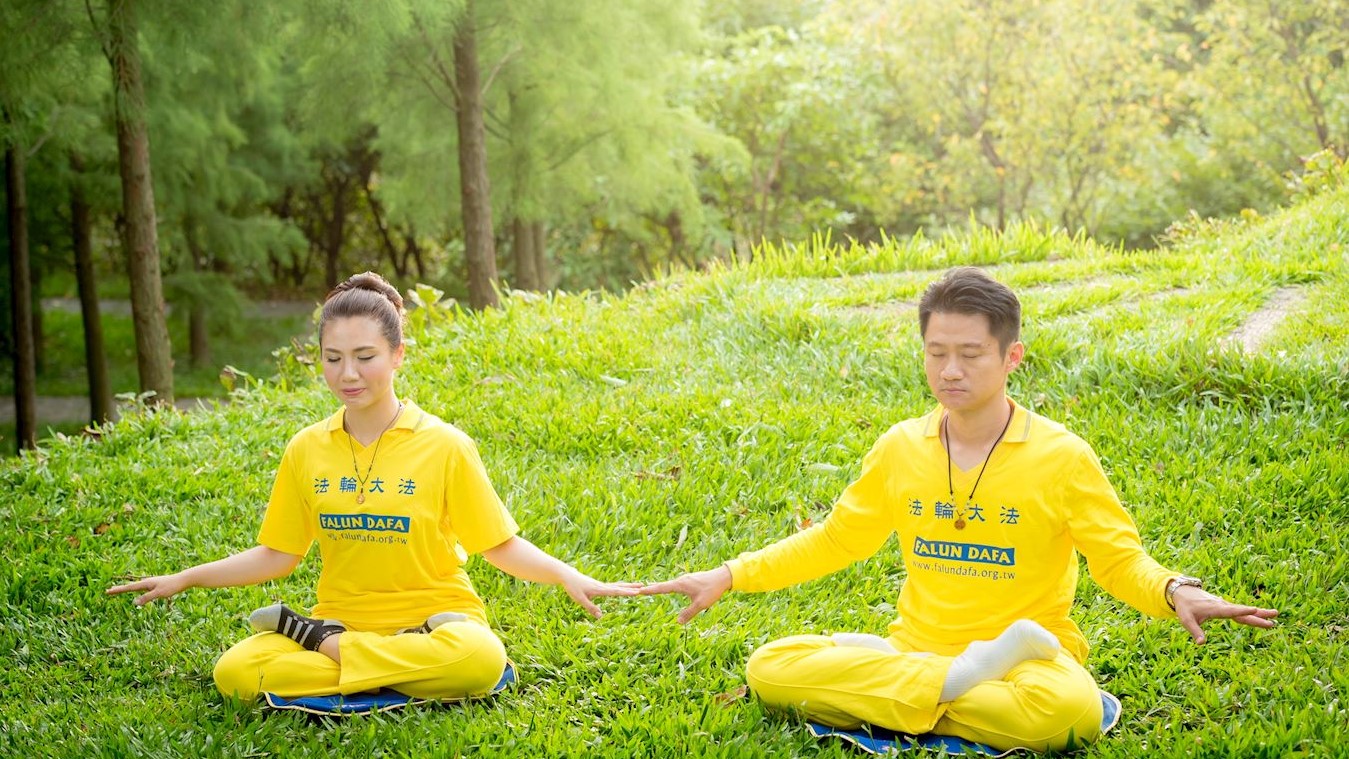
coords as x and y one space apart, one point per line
1195 606
702 589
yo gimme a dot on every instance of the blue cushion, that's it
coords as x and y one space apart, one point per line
382 700
878 740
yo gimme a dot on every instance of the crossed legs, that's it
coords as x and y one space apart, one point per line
452 661
1039 703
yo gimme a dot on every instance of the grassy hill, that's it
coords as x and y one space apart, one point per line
707 414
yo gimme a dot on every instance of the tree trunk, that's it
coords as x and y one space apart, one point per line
198 340
331 232
411 249
399 262
21 300
526 261
540 248
154 356
674 226
39 330
334 232
474 189
95 356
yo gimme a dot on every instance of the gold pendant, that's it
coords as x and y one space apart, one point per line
960 523
360 497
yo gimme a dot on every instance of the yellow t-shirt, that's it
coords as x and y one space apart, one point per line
974 568
399 557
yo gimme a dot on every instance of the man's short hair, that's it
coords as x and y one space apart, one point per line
968 290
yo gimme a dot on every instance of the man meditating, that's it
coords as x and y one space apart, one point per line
991 503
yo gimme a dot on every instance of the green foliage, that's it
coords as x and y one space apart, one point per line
1111 120
701 415
429 309
1323 172
781 94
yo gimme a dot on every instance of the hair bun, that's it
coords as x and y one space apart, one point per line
366 295
369 280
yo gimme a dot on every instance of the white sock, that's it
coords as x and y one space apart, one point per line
991 659
864 640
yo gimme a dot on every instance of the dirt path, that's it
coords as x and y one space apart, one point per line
1260 325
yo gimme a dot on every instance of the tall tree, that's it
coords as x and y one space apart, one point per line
217 116
51 103
24 110
95 355
474 187
154 357
21 295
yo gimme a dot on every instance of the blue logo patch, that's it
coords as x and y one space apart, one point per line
971 552
368 522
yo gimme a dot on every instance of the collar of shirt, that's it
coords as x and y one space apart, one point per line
1018 431
410 419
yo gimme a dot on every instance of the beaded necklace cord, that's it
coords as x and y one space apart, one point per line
360 481
950 485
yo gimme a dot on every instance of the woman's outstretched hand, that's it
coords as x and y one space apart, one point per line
583 589
159 586
520 558
255 565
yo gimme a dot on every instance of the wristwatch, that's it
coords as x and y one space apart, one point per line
1176 582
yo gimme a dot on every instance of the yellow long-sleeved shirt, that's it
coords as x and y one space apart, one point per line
975 566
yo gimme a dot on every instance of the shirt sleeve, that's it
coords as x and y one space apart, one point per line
858 525
1105 534
287 526
477 515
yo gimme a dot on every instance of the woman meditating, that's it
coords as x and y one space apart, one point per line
396 499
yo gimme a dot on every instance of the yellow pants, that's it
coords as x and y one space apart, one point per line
1040 704
455 660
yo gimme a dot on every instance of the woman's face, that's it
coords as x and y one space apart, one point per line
358 363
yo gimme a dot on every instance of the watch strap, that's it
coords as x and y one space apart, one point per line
1175 583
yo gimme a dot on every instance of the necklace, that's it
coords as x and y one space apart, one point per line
950 486
360 481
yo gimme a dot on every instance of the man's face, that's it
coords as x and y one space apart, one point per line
966 368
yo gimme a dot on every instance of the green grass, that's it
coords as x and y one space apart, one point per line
668 429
